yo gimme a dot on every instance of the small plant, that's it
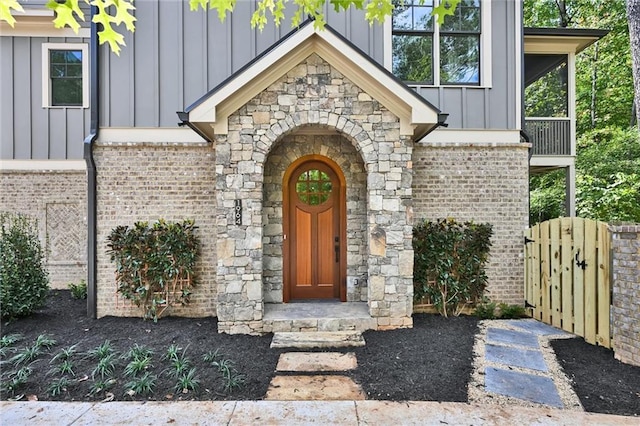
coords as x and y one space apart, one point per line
230 375
137 366
137 352
486 310
106 366
141 385
105 349
101 386
26 355
78 291
511 311
58 386
212 356
172 352
24 282
180 363
187 382
7 342
14 380
44 341
64 367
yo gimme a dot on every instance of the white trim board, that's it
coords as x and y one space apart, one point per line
42 165
148 135
472 136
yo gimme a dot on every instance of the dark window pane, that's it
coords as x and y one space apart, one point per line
465 18
413 58
460 59
65 72
66 92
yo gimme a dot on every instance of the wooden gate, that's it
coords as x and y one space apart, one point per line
567 276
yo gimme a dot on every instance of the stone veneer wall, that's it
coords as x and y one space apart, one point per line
58 200
313 93
625 312
483 183
341 151
146 182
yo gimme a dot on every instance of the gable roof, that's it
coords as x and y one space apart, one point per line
209 114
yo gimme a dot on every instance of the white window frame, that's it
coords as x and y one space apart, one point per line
46 80
485 49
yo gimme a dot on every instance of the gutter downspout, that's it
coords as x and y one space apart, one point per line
91 173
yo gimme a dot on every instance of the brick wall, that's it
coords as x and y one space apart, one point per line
146 182
58 200
625 312
483 183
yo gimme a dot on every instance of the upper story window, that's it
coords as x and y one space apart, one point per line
428 53
65 79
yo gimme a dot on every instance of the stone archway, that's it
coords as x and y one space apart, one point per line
316 94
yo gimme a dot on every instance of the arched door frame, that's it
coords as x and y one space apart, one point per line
286 296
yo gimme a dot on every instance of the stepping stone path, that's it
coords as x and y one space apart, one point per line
515 349
310 384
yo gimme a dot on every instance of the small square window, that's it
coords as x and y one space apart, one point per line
65 77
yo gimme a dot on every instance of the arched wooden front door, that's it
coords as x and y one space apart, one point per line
314 230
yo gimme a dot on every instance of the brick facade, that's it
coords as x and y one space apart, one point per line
146 182
486 183
58 200
625 312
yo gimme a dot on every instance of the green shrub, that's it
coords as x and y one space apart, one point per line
511 311
155 265
24 282
485 310
78 291
449 259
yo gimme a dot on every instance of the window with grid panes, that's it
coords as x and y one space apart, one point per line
427 53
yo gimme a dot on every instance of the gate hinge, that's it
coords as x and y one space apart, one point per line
528 240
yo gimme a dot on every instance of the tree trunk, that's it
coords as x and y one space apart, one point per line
633 16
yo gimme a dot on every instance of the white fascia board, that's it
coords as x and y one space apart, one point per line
206 111
43 165
555 45
148 135
552 161
479 136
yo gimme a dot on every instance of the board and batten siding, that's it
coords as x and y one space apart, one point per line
27 130
491 107
176 56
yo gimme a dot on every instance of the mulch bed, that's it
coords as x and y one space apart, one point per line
432 361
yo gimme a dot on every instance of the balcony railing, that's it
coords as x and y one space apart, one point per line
549 136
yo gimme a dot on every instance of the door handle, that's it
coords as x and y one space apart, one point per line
337 249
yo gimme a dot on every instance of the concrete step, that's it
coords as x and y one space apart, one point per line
317 339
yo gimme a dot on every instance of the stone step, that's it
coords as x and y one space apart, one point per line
317 339
317 316
316 361
313 388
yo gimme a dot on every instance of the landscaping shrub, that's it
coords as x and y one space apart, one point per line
155 265
78 291
24 282
449 260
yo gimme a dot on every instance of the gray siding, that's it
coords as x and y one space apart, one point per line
161 72
480 107
27 130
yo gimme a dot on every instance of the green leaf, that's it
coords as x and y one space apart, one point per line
65 14
378 10
446 7
5 11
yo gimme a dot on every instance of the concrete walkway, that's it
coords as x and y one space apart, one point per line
291 413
